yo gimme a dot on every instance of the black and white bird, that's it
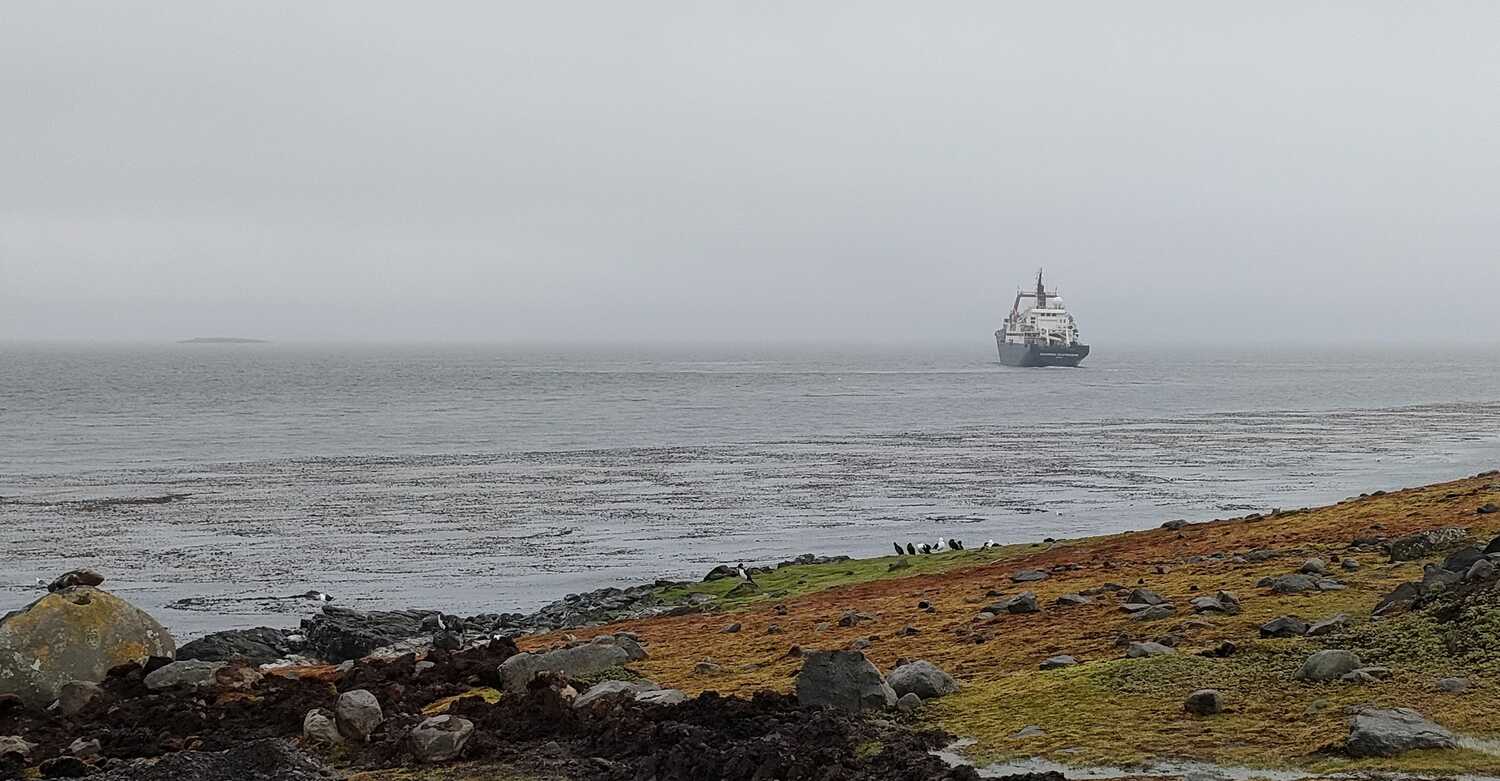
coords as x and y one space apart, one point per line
939 546
911 550
899 551
955 544
41 583
317 596
745 575
989 544
926 548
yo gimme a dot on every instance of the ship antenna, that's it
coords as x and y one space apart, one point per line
1041 293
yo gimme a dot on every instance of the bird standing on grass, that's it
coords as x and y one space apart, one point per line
745 575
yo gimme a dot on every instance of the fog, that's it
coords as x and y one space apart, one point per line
874 172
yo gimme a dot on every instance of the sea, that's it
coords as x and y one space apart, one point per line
211 483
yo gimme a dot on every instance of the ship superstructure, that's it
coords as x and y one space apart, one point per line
1040 333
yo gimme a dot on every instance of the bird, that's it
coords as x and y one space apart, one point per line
40 583
940 546
989 544
745 575
899 551
911 550
953 544
926 548
317 596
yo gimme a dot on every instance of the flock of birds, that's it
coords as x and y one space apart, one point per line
941 546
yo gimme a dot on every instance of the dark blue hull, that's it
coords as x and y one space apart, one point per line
1040 355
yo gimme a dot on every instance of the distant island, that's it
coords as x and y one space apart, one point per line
221 340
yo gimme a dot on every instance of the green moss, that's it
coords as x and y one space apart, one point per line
611 674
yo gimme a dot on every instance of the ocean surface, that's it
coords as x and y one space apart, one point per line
205 481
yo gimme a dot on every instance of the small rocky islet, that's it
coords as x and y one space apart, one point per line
1362 636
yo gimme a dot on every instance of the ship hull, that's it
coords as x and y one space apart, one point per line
1039 355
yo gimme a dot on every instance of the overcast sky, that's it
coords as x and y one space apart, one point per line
618 171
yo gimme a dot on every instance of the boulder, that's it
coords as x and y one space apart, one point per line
1349 565
1174 525
74 696
1328 625
357 714
1423 544
1298 583
440 738
1329 665
1435 579
1025 602
1204 702
261 645
1155 613
319 728
1488 508
85 747
1366 675
922 678
1144 596
76 634
1462 559
908 702
1028 576
1403 597
15 746
662 697
1482 570
842 679
1453 685
1313 567
1493 546
1056 662
720 572
1207 604
1284 626
1073 600
1394 731
517 671
611 688
193 673
1143 650
259 760
339 634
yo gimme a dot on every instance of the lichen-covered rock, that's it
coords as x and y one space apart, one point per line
1284 626
1390 732
76 634
319 728
260 645
194 673
842 679
1204 702
1423 544
923 678
611 688
517 671
1144 650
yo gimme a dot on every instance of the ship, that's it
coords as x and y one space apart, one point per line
1041 334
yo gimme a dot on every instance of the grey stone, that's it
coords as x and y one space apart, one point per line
1155 613
357 714
440 738
922 678
1462 559
1349 565
1294 584
908 702
1144 596
1366 675
1028 576
318 728
64 766
1284 626
339 634
1403 597
74 696
1206 604
1056 662
1028 731
1025 602
1435 579
611 688
662 697
842 679
517 671
1143 650
1453 685
1204 702
1482 570
731 629
1328 665
1328 625
261 645
192 673
1394 731
1073 600
1313 567
85 747
77 634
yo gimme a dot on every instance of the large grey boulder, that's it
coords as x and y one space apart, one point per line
842 679
319 728
357 714
76 634
1148 649
922 678
1144 596
662 697
1389 732
440 738
1328 665
517 671
1284 626
194 673
74 696
610 688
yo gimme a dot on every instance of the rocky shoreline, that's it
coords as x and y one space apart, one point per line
1361 636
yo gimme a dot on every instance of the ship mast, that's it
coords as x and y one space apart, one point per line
1041 293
